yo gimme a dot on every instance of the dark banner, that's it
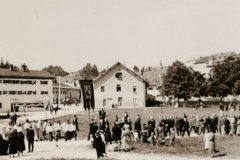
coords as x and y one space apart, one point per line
87 94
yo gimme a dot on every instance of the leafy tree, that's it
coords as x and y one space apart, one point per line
55 70
178 81
199 87
224 77
136 69
89 72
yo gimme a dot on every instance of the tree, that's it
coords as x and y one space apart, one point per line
2 64
136 69
199 87
55 70
89 72
223 78
178 81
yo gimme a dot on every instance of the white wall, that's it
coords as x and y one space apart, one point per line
6 99
128 81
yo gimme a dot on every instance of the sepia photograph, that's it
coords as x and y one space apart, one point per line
119 79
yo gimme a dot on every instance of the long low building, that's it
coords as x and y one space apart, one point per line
67 93
24 88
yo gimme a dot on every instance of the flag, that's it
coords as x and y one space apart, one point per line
87 94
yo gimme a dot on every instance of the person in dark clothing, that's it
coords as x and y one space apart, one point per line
178 126
75 119
100 146
114 132
13 143
137 126
227 126
3 146
20 143
221 107
185 127
108 136
30 138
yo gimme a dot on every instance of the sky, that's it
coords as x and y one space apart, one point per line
71 33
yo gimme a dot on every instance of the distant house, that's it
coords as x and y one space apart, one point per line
68 93
154 77
205 64
119 87
24 88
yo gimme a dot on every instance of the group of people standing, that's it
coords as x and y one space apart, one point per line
164 131
12 140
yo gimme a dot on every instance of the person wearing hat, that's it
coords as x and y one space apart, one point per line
30 139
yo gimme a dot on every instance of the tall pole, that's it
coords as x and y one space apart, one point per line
59 91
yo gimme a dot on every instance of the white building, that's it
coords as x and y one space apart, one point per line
29 88
119 87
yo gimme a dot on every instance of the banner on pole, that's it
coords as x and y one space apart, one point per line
87 94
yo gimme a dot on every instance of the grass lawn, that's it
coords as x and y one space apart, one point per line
187 146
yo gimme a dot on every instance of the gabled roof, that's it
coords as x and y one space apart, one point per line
123 67
31 74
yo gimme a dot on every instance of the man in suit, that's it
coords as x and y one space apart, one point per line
30 138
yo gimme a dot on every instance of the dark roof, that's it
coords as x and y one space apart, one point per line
122 66
154 77
31 74
202 60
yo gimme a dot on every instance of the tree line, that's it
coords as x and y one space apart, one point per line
183 82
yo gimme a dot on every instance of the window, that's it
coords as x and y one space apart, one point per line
0 81
4 92
44 92
150 88
118 75
43 82
29 92
12 92
102 88
120 100
0 105
134 89
0 92
118 88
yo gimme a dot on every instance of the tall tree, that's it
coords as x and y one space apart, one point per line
178 81
199 84
55 70
223 77
89 72
136 69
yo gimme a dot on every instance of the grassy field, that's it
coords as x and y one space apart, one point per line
187 146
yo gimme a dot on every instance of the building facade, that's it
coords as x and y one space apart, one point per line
68 94
24 88
119 87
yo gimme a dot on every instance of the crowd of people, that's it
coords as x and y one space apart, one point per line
159 132
123 133
12 141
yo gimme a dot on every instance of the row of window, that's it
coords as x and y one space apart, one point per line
61 92
22 92
119 88
22 82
